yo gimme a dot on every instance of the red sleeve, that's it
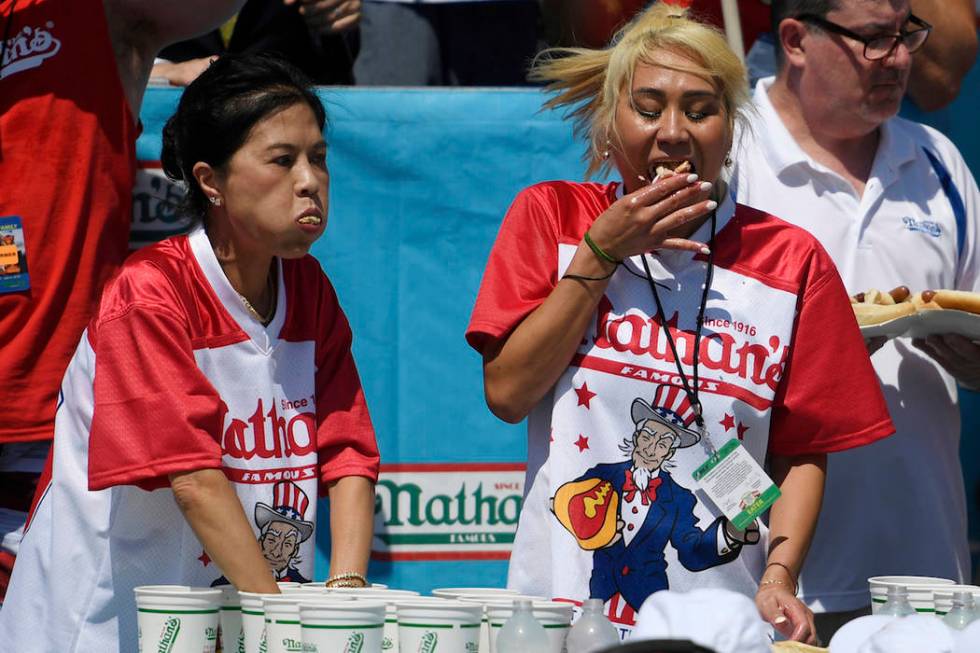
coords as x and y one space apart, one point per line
829 398
346 442
522 269
155 412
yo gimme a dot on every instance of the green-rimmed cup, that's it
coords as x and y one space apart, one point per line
439 626
332 626
555 617
177 619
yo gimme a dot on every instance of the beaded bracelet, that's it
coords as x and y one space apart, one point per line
347 579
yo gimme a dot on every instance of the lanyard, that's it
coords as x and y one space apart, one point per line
690 387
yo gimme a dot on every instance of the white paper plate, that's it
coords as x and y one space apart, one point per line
927 323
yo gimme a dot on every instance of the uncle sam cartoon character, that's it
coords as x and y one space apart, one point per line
628 512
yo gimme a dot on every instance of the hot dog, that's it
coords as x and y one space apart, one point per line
875 306
957 300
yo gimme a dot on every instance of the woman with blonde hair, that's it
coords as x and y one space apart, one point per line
643 325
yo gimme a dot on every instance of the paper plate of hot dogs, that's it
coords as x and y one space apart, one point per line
899 312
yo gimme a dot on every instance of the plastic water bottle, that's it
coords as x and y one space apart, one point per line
592 631
522 633
897 603
962 613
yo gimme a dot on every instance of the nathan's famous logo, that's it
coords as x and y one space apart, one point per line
642 335
409 505
171 627
289 644
355 643
428 642
266 434
28 49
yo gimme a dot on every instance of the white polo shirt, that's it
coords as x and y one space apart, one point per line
898 505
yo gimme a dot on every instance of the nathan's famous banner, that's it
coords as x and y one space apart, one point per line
447 511
419 182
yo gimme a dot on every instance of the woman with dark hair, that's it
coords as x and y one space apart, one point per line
214 394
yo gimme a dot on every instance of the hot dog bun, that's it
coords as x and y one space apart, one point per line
868 314
958 300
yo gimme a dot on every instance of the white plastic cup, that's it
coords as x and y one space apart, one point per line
451 626
943 596
334 626
230 631
177 620
454 592
555 617
492 599
283 633
919 587
253 620
389 598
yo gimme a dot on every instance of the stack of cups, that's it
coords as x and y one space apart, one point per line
177 618
481 595
943 596
230 631
330 626
554 617
253 620
439 625
486 600
920 590
389 597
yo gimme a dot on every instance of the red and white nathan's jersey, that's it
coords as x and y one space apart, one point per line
174 375
782 368
67 160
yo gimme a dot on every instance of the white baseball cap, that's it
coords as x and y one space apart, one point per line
722 620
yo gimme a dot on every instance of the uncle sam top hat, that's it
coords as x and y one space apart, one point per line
289 504
672 408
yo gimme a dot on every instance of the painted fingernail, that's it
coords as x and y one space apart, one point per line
706 185
705 251
780 620
691 178
711 205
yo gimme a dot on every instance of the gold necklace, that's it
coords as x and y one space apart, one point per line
264 319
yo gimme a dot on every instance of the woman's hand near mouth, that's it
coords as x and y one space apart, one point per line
660 215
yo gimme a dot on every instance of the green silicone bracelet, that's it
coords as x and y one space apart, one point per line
598 250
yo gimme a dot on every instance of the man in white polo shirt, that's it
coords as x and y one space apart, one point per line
894 204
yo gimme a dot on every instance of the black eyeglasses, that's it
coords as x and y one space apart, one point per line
877 47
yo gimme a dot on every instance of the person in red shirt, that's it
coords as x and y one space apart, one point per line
656 312
72 77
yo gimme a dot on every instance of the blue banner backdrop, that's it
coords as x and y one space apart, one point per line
420 179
